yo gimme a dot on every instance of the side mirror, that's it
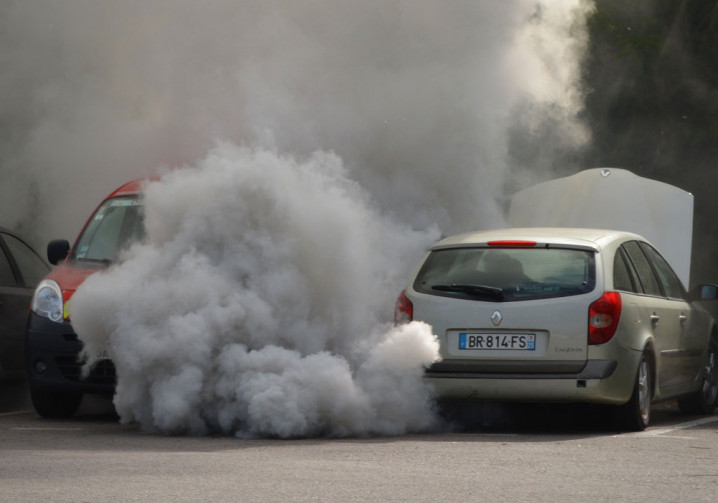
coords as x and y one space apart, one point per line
57 250
704 292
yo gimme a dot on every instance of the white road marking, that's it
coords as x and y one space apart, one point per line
681 426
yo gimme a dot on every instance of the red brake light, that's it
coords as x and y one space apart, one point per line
403 309
513 244
603 316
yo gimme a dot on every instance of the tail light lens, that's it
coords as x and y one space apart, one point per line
603 316
403 309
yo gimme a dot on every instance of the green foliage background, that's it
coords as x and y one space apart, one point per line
652 102
650 78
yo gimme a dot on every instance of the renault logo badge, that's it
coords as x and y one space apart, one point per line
496 318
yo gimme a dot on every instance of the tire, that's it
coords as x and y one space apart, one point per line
635 414
54 404
703 401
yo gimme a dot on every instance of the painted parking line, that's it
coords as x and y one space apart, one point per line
658 432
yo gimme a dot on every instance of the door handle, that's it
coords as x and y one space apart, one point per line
655 319
682 318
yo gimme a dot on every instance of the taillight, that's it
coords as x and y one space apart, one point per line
603 316
403 309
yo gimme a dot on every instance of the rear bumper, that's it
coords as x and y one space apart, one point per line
595 381
567 369
52 350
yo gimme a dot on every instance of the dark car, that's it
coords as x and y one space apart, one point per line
21 269
55 375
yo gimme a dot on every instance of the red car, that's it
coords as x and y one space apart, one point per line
52 347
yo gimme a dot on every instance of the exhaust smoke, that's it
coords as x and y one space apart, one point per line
257 305
322 146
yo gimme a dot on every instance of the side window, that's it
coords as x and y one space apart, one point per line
7 278
672 286
647 278
623 279
32 268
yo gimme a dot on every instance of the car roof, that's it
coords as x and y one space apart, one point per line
594 239
131 188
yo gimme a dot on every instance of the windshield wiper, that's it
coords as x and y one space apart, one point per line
473 290
105 261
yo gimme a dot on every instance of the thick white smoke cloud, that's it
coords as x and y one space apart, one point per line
414 95
258 305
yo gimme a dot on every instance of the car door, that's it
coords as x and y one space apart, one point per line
20 271
666 314
688 354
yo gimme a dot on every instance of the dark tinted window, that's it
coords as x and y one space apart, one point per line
32 267
643 268
507 274
6 276
672 286
623 278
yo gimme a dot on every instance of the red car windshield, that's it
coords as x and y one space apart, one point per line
116 224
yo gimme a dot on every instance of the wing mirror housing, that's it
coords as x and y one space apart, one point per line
57 250
704 292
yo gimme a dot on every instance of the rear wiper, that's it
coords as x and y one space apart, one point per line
474 290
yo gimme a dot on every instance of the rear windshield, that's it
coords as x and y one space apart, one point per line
507 274
116 224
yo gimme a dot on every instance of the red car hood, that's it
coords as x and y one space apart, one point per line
70 275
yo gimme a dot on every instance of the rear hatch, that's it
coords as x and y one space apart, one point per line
508 309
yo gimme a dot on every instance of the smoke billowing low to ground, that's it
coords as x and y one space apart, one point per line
254 306
309 151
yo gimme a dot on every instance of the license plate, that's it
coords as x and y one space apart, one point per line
522 342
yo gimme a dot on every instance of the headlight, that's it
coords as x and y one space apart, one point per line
47 301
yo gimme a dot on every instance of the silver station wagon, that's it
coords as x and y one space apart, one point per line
564 315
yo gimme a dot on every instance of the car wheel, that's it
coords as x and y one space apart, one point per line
703 401
52 404
635 414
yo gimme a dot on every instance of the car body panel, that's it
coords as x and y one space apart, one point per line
69 276
14 306
554 341
17 283
57 345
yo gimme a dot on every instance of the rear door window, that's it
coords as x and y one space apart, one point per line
7 278
32 267
507 274
623 277
646 276
672 286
